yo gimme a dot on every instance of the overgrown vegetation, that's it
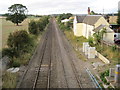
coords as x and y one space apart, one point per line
65 25
110 52
63 16
21 45
103 75
9 80
35 27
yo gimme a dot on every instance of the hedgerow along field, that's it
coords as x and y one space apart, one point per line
9 27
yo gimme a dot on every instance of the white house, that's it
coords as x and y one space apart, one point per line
84 25
87 25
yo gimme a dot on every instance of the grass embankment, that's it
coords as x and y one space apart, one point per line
10 79
76 43
110 52
8 27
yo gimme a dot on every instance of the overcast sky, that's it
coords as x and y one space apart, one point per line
62 6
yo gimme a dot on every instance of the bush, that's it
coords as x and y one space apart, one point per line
102 76
33 28
114 48
90 40
8 52
16 63
20 42
36 26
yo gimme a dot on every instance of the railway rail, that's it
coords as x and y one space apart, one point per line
52 55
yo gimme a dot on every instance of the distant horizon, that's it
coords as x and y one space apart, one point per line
66 13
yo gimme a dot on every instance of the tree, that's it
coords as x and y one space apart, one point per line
103 32
36 26
16 13
33 29
64 16
92 13
98 36
20 42
118 19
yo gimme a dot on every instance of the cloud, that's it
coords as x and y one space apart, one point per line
63 6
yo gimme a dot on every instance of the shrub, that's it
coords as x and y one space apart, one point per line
16 63
90 40
114 48
20 42
8 52
33 28
102 76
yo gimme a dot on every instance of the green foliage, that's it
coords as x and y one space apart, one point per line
33 29
98 36
69 24
102 76
92 13
43 22
16 63
36 26
10 52
118 19
90 40
20 41
9 80
64 16
16 13
114 47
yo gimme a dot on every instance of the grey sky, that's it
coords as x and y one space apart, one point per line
63 6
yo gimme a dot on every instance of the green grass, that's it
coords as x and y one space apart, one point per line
9 80
76 42
109 52
103 75
8 27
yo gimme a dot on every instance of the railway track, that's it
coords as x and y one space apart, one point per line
52 59
73 68
43 68
42 79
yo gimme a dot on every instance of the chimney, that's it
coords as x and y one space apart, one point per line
88 10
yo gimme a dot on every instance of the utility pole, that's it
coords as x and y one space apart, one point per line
103 11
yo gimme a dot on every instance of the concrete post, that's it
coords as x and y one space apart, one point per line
117 74
84 44
111 72
91 52
86 49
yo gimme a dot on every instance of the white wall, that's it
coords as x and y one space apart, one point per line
74 25
109 37
87 30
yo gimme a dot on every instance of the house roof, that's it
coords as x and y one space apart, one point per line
99 28
80 19
103 26
89 19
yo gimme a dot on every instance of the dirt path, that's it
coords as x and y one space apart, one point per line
55 64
